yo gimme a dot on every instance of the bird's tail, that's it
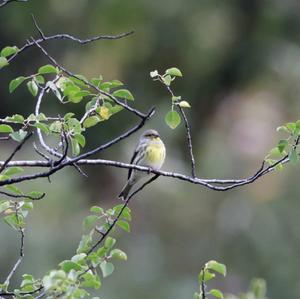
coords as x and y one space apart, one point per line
125 191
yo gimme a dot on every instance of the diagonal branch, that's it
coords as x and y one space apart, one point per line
70 162
15 151
16 265
5 2
126 203
62 36
124 105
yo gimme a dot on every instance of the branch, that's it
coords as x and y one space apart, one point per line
16 265
186 124
213 184
10 1
76 159
126 203
189 140
15 151
63 69
62 36
24 196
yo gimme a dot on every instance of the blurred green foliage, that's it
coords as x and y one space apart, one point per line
241 70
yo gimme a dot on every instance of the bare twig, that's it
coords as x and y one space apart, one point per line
186 124
202 285
15 151
126 203
16 265
22 196
5 2
189 141
62 36
213 184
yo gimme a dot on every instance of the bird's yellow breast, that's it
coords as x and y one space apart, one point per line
155 154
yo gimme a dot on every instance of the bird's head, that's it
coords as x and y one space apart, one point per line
150 134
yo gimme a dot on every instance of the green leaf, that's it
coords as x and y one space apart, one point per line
48 69
216 266
16 118
216 293
282 144
80 139
3 62
68 115
13 221
126 211
184 104
109 242
18 136
6 129
67 266
15 83
79 258
119 254
90 221
172 119
167 80
96 81
43 127
116 83
282 129
124 225
206 276
13 188
8 51
90 281
75 147
176 98
293 156
35 194
13 170
84 244
291 127
124 94
39 79
96 209
116 109
4 205
174 72
91 121
32 87
197 296
107 268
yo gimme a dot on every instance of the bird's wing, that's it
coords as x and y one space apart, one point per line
134 157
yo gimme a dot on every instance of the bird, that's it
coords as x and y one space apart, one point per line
149 152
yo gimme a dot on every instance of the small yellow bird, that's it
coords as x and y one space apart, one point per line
149 152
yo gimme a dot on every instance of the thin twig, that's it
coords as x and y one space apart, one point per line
22 196
16 265
189 140
126 203
63 36
187 127
19 146
10 1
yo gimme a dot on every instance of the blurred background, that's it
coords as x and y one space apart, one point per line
241 66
